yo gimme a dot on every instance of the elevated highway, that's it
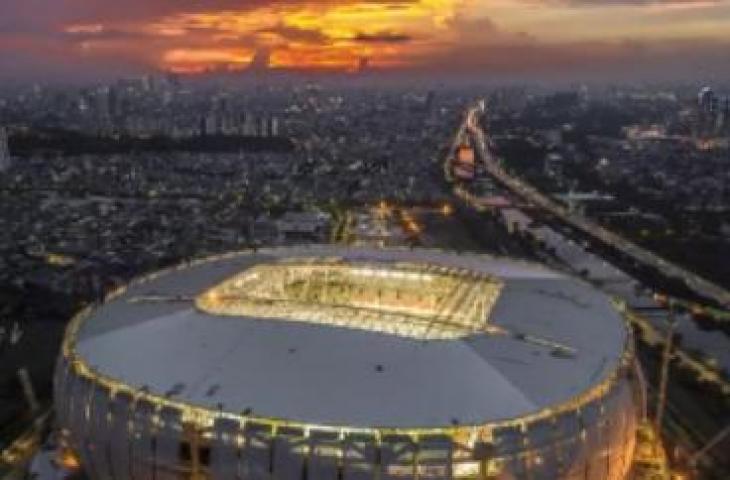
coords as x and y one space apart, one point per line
529 193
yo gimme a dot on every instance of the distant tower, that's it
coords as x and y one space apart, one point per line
103 102
430 99
274 127
263 127
707 100
249 125
723 114
584 94
4 150
707 106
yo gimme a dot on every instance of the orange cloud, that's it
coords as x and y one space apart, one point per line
197 60
307 36
420 35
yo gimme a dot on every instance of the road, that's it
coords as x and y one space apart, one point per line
696 283
679 421
18 453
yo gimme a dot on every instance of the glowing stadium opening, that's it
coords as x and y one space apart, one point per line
370 272
421 301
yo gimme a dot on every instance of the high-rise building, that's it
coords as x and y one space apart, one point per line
249 125
274 127
103 102
722 117
263 127
710 117
430 99
4 150
707 100
723 106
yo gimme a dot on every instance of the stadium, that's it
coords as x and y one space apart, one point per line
339 363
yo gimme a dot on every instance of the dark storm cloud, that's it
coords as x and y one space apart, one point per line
382 37
296 34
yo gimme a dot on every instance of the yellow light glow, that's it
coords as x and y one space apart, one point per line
419 301
67 459
466 469
204 417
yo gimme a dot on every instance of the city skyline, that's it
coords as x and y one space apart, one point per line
80 39
393 239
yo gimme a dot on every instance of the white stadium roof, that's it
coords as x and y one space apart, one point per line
338 376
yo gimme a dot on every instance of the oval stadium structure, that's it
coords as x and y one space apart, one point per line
338 363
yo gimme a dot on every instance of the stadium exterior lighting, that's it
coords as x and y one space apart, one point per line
334 362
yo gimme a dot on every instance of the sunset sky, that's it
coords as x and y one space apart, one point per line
44 38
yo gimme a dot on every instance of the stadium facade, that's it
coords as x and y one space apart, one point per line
336 363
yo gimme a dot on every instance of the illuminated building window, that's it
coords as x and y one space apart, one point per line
465 469
400 470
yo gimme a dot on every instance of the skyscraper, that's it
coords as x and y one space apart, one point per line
274 126
263 127
4 150
249 125
721 125
707 100
709 120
